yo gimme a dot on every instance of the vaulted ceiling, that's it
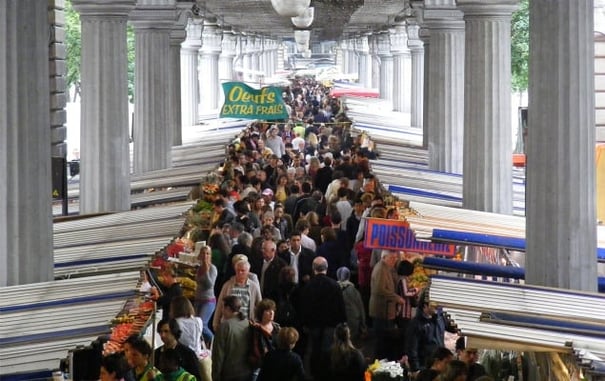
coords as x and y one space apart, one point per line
333 18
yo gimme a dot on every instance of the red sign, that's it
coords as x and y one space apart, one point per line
396 235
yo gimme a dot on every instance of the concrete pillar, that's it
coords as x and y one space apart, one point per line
446 87
177 36
208 74
25 193
225 61
354 58
416 47
487 184
375 58
190 96
401 68
365 61
386 67
561 200
343 58
152 21
105 156
247 49
425 36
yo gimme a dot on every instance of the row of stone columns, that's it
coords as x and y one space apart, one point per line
463 89
177 79
384 60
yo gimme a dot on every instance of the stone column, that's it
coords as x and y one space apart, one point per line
560 202
25 195
417 94
344 57
446 87
208 74
425 36
354 58
257 47
386 66
190 96
487 184
177 36
247 49
105 156
152 21
376 62
365 61
401 68
225 61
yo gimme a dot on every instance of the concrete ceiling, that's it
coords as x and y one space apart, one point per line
333 18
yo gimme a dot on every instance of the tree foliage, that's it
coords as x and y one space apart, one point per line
520 47
73 39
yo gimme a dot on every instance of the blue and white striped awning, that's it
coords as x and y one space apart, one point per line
521 317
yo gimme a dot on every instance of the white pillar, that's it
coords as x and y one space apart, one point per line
177 36
487 184
343 63
152 21
25 196
560 203
417 92
365 61
425 36
375 68
190 97
104 152
208 74
225 61
386 66
446 86
354 58
401 68
247 49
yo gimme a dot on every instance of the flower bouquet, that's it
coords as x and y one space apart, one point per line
382 370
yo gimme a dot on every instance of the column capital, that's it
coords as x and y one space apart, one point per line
229 44
488 8
414 41
442 14
211 37
178 33
193 39
398 37
153 14
383 42
362 44
104 9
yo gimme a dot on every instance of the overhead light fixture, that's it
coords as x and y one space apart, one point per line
290 8
305 19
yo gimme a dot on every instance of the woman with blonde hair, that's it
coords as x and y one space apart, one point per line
191 326
205 298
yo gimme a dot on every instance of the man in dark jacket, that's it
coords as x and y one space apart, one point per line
268 269
322 309
323 178
170 333
300 258
425 333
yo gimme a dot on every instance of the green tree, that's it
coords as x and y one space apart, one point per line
520 47
73 38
